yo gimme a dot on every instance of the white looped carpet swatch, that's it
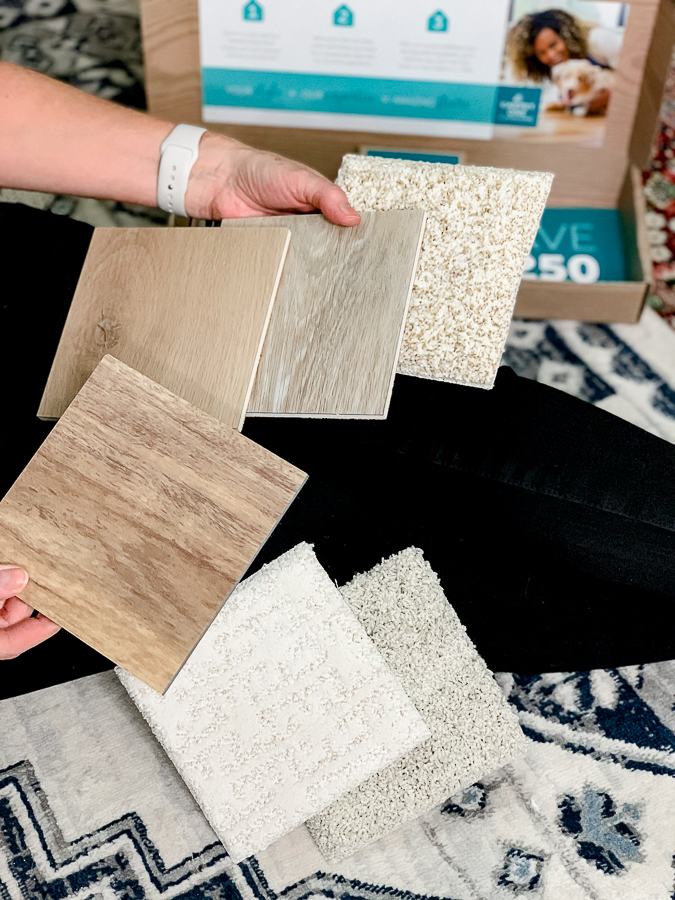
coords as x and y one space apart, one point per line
284 705
473 731
481 224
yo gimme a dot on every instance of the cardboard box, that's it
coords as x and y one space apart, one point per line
604 301
584 176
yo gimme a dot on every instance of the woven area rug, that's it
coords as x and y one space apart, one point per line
94 45
628 370
91 807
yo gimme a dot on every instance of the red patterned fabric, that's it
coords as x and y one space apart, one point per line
659 182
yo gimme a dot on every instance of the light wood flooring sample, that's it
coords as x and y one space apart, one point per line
137 517
188 307
337 325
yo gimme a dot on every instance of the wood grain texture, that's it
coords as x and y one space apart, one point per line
585 176
188 307
337 324
137 517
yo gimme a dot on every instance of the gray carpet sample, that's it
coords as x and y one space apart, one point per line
403 609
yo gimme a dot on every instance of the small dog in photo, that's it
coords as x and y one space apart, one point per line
580 83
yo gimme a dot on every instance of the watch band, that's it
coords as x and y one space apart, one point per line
179 152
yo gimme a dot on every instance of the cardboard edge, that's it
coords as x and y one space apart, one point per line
605 301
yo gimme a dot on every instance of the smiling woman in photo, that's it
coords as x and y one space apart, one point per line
541 41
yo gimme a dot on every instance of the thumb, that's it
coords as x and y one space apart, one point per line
12 580
333 203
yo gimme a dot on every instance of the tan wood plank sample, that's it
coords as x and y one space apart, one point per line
189 308
337 324
137 517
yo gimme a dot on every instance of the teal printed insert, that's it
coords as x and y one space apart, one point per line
568 236
351 95
416 157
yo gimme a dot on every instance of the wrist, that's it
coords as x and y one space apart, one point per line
138 183
210 175
178 154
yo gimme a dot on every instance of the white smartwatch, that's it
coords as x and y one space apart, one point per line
179 152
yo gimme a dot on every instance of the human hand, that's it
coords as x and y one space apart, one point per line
231 180
18 632
58 139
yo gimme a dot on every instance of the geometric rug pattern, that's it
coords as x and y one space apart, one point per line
628 370
589 811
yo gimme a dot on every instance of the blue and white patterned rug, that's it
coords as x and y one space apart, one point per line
628 370
91 808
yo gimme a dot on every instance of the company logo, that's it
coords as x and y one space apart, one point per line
517 106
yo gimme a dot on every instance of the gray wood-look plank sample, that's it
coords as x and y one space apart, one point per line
137 517
337 324
188 307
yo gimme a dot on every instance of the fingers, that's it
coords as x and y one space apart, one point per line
27 633
236 181
333 203
12 581
18 631
13 611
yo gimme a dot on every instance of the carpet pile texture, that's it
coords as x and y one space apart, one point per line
481 223
403 608
284 705
91 806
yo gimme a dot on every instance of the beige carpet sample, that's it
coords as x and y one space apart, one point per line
188 307
137 517
403 609
284 705
335 334
481 224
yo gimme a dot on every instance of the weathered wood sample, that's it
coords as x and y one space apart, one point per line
189 308
337 324
137 517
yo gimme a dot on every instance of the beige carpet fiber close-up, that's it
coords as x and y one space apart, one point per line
481 223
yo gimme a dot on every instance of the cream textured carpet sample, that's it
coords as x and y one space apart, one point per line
473 732
481 224
284 705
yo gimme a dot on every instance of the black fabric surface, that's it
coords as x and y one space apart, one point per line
522 501
42 258
550 523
